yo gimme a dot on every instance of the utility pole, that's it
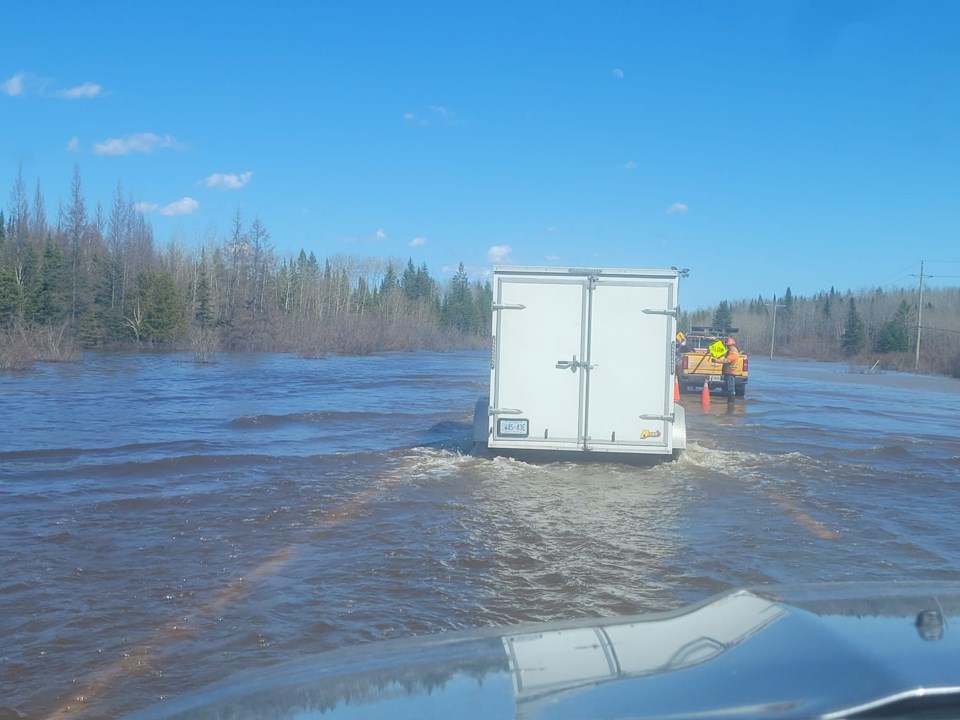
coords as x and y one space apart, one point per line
773 334
916 362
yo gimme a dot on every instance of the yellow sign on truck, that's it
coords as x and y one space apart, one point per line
700 360
718 349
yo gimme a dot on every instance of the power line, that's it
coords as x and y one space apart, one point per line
896 276
900 276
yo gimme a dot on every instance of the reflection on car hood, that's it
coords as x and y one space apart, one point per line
810 651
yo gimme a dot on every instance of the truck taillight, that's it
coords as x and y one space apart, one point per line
745 361
685 361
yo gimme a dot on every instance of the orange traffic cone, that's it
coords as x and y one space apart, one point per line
676 389
705 396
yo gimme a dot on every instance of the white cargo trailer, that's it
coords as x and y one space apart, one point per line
582 363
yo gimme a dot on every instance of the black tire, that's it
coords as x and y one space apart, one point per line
741 390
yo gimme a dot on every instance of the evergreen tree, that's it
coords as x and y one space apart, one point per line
426 285
894 335
9 297
390 280
96 322
162 312
408 281
203 308
483 294
785 319
854 333
49 302
723 317
891 339
787 301
459 309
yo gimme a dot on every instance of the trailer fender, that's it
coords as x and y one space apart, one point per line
679 432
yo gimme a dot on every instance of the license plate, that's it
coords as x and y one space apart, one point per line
513 427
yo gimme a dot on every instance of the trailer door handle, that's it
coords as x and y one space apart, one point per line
572 365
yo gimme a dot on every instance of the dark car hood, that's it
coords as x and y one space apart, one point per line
779 652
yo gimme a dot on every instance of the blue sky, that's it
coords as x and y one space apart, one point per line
760 144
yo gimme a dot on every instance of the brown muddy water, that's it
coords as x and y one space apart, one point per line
164 525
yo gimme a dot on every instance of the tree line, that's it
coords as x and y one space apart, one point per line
872 327
93 279
97 278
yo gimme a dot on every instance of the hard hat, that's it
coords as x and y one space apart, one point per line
681 337
731 341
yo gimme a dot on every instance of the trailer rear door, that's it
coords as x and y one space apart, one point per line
582 361
539 324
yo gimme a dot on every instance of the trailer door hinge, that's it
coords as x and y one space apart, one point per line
655 311
507 306
504 411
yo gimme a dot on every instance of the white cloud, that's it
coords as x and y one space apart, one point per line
74 144
418 242
445 114
14 86
414 118
442 111
553 258
28 83
366 238
183 206
227 181
136 143
552 229
630 165
146 207
618 73
499 253
677 208
87 90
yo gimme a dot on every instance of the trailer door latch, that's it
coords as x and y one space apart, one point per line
572 365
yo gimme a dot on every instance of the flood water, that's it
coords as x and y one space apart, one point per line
164 524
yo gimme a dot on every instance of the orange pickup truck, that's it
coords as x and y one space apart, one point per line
700 359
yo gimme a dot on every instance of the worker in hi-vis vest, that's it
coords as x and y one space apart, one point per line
731 364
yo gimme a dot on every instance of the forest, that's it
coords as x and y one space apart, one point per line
97 278
874 328
100 280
